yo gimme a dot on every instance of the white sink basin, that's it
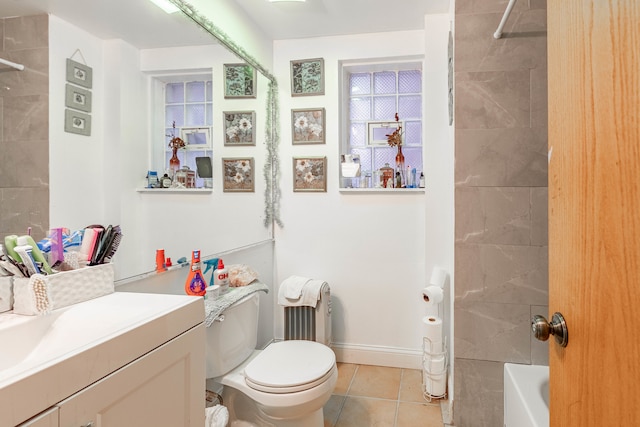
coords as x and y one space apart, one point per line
20 338
44 359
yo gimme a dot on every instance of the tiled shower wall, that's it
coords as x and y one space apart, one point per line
24 126
500 201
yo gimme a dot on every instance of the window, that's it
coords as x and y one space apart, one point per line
372 95
187 112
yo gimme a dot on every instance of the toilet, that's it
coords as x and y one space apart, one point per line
285 385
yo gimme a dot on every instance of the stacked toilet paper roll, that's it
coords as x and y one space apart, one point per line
435 358
432 331
435 377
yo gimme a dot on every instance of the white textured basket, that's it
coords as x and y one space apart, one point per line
66 288
6 293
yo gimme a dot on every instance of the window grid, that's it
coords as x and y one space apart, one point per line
188 104
379 102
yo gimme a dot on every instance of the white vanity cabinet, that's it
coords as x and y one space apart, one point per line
145 367
155 390
48 418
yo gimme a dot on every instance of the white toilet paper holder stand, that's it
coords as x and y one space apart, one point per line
435 364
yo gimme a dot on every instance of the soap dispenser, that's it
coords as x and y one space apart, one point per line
195 284
221 277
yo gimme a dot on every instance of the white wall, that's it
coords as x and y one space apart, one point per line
94 179
376 251
77 192
439 167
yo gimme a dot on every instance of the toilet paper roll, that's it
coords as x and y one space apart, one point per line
438 277
432 331
433 294
435 378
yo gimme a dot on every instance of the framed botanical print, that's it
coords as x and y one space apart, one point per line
239 81
238 174
310 174
307 126
307 77
239 128
79 74
78 98
77 122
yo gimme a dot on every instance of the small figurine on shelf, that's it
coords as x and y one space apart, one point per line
175 143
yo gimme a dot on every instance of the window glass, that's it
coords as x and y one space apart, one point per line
377 96
195 91
188 105
174 114
360 84
384 108
385 82
174 93
195 115
410 106
409 81
360 108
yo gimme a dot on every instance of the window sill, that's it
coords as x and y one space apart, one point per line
175 190
383 190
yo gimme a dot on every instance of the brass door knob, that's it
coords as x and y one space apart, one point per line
558 328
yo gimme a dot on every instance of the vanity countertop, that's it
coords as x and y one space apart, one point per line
45 359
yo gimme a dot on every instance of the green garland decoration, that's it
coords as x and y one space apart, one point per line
272 133
271 170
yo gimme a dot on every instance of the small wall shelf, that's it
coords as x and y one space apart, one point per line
383 190
175 190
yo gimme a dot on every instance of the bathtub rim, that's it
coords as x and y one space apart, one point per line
526 382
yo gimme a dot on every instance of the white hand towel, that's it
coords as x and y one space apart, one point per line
216 416
309 296
292 287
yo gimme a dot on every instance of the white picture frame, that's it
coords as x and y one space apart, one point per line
377 131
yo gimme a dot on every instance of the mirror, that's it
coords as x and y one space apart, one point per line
133 48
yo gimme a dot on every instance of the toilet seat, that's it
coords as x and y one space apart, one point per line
290 366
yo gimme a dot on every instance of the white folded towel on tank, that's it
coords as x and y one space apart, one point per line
216 416
303 292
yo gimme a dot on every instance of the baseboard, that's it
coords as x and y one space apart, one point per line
378 355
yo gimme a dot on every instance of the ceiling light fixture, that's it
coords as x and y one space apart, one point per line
165 5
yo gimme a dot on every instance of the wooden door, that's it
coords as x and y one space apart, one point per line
594 210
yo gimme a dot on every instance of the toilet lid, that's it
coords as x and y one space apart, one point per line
290 366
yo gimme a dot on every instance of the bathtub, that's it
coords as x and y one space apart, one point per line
526 395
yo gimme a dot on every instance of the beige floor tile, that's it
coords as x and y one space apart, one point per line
365 412
411 386
376 381
332 409
345 375
418 415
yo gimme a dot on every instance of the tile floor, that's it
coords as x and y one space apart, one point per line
378 396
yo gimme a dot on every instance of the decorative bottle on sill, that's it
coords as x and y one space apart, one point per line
400 165
175 143
174 162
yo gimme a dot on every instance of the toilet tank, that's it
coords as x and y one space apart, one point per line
233 337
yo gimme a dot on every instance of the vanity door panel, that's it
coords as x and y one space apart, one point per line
164 388
48 418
